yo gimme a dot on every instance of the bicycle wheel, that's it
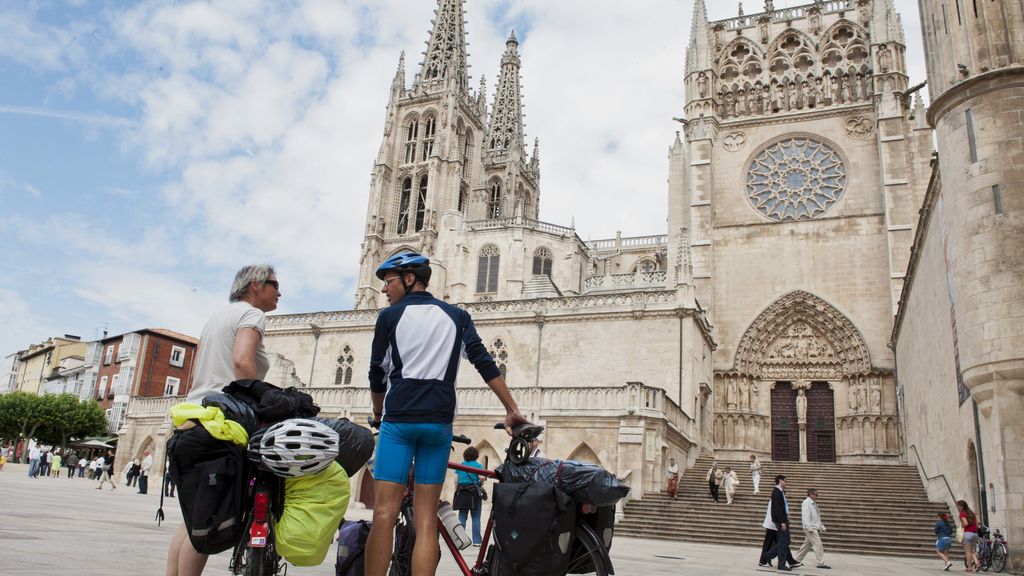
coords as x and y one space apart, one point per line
984 555
405 537
998 557
588 555
260 561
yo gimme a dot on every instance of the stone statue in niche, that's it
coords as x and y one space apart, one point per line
876 396
731 394
868 87
755 396
801 407
855 88
750 102
744 395
765 99
778 98
815 22
817 95
832 89
851 395
702 85
884 59
741 102
865 12
844 90
792 95
862 395
806 98
762 27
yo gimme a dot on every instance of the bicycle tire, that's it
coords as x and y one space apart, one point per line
260 561
587 555
405 538
999 554
984 555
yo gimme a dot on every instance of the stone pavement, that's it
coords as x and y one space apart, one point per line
56 526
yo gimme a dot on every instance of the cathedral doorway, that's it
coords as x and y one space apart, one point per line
821 423
785 434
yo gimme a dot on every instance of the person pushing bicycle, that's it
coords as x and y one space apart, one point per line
414 361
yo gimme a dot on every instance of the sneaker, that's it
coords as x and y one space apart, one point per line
824 566
795 564
948 566
765 564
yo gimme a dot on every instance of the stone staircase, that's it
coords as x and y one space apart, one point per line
867 509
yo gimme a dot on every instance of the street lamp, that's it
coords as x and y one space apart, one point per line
316 341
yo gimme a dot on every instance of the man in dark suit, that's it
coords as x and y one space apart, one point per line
779 510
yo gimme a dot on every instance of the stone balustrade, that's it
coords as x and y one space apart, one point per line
635 281
784 14
618 243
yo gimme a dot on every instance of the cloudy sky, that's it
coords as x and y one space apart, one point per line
149 149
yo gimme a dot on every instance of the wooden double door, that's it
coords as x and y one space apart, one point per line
821 423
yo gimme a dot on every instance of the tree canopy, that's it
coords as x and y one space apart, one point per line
50 419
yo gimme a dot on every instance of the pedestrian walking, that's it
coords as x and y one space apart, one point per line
55 464
106 470
72 464
83 462
771 536
131 472
779 511
810 520
45 460
168 481
944 539
672 472
969 522
729 482
33 461
714 479
755 473
147 465
468 499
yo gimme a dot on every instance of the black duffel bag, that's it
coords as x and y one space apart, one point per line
355 443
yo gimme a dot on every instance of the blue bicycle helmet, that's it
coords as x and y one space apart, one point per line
413 262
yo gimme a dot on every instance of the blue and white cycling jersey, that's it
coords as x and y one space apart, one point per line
417 345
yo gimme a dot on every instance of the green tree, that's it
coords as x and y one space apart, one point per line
64 416
21 414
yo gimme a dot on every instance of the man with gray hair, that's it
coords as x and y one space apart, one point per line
810 517
230 348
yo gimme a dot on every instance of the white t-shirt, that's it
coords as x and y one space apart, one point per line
215 367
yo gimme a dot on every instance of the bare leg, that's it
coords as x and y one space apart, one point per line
380 543
426 551
182 558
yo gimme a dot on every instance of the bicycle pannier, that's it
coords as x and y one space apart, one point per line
313 507
351 548
355 444
534 526
210 475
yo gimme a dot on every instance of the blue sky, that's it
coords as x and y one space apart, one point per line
148 149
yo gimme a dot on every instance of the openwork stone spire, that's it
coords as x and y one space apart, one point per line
698 54
506 128
445 57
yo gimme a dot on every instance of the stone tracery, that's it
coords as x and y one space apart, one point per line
796 179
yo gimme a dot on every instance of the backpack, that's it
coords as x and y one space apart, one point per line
211 477
534 528
351 548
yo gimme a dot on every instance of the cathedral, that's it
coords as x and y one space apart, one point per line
821 293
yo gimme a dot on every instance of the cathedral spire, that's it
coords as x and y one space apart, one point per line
398 82
445 58
698 54
506 128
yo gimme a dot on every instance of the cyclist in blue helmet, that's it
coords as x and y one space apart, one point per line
417 344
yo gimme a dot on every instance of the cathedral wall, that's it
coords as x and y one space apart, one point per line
937 427
842 261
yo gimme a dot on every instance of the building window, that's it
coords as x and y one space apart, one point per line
343 376
429 126
103 386
109 355
542 262
410 141
113 385
463 193
494 204
421 203
403 206
171 387
645 265
128 346
500 354
467 154
487 270
177 356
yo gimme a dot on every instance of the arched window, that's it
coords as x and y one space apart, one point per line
487 270
429 126
542 262
463 194
467 154
403 206
645 265
500 354
421 203
494 204
410 141
343 376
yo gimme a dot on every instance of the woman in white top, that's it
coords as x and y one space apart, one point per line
755 473
729 482
672 472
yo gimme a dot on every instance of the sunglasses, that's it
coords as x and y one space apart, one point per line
272 283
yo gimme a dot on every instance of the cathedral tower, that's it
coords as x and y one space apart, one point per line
975 58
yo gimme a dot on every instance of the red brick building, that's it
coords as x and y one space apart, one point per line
152 362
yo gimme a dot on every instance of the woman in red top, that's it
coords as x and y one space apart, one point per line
970 523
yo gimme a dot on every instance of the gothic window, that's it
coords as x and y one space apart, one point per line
796 179
467 155
429 127
421 203
500 354
410 141
645 265
343 375
403 206
463 193
494 204
487 270
542 262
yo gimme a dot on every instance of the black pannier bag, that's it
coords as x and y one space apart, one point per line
355 444
534 528
584 482
210 475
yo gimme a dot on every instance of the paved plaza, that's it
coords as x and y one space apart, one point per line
56 526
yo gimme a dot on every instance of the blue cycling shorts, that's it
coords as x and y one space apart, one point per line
399 444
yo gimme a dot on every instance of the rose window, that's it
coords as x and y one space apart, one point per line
796 179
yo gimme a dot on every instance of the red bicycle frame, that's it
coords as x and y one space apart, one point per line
456 553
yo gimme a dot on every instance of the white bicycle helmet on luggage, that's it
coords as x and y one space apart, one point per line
296 447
